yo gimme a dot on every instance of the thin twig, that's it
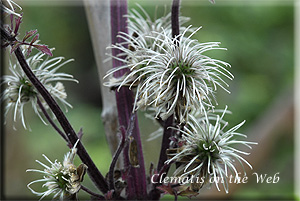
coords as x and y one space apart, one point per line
51 121
124 141
163 170
111 183
92 193
165 142
160 121
93 171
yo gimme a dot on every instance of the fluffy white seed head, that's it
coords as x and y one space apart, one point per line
207 150
20 91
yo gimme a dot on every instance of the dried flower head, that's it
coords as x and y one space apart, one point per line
206 151
61 180
20 91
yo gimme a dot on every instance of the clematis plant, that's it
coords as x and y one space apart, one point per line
157 67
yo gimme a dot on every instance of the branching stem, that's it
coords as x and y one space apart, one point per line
121 146
93 171
136 183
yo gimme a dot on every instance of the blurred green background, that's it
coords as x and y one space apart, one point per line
259 36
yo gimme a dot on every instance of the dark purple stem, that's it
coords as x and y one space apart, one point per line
164 169
161 166
100 197
5 35
175 19
124 141
136 183
155 193
168 132
51 121
93 171
165 142
121 146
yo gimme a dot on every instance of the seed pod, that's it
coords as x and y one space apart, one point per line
196 186
133 153
81 170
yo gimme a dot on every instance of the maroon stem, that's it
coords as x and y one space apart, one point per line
111 182
136 183
168 132
51 121
96 195
175 19
93 171
165 142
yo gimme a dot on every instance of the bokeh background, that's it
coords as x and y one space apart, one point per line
259 36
